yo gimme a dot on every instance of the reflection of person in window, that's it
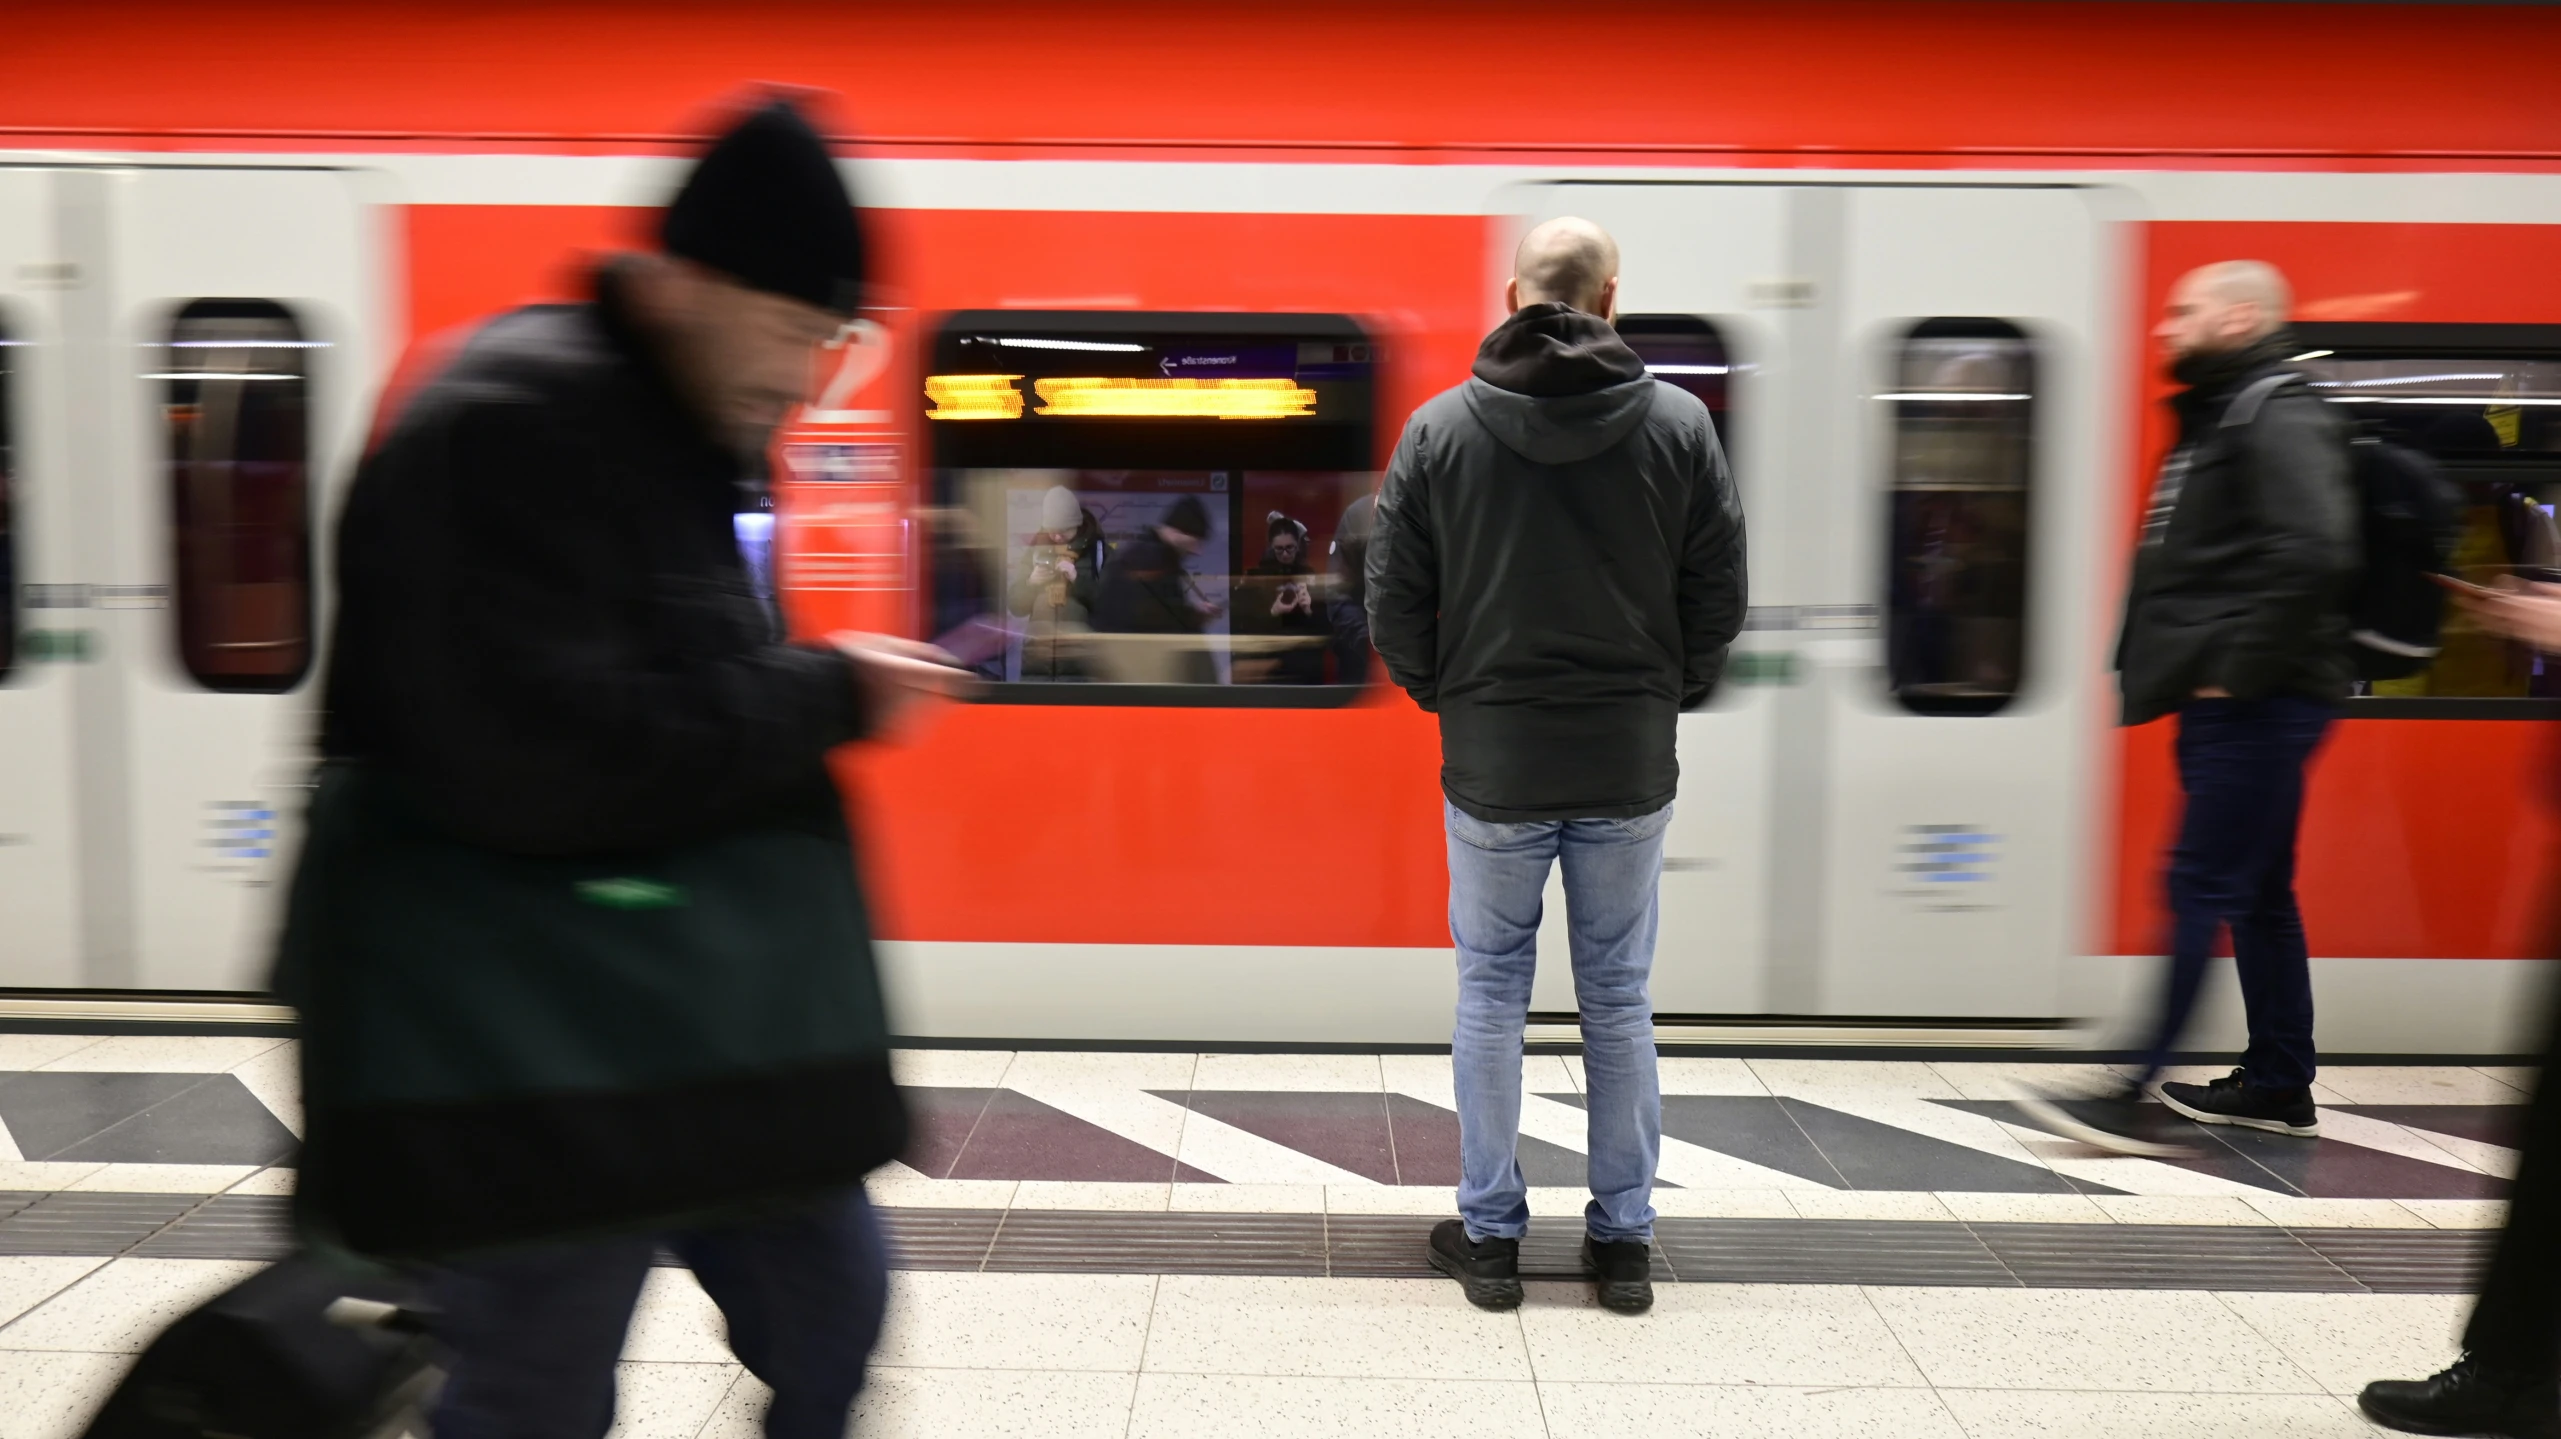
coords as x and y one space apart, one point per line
1147 590
1345 619
1276 599
1055 586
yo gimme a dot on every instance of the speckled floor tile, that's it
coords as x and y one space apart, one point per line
2032 1414
2346 1340
1823 1335
1721 1411
1342 1328
950 1320
667 1401
53 1396
29 1280
990 1404
121 1306
2085 1339
1185 1406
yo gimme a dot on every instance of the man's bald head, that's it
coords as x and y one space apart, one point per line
2229 305
1569 261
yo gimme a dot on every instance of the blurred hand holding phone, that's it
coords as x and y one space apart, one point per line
2524 606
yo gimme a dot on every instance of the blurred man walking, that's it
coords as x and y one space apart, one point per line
1556 571
2236 623
583 966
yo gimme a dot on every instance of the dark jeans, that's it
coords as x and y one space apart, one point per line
2241 763
2516 1324
534 1333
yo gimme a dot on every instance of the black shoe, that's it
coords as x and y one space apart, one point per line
1623 1270
2231 1100
2118 1122
1488 1269
2470 1398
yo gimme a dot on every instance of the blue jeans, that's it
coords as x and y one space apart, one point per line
534 1333
1613 887
2241 763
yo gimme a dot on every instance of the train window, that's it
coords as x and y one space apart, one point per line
8 530
1687 352
2485 402
1963 442
1152 509
236 415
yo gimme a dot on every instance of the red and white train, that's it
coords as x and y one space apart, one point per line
1909 251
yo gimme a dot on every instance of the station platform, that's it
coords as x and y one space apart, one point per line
1172 1244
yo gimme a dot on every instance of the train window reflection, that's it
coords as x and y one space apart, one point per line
1963 439
1152 509
235 417
8 531
2489 414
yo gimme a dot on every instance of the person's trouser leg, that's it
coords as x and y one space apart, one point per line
2516 1323
1613 898
2268 950
803 1292
2243 781
532 1336
1497 884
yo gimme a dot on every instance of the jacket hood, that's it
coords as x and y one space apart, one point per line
1556 385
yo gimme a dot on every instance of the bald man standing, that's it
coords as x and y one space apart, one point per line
2236 622
1556 572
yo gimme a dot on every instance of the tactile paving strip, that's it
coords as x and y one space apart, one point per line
1728 1251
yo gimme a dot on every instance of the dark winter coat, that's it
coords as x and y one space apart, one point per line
576 934
2240 579
1557 570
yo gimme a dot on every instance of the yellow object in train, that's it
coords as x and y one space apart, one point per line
1188 399
2504 422
973 397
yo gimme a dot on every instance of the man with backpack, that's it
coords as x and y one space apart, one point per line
2237 622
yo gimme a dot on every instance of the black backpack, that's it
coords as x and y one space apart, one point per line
2409 515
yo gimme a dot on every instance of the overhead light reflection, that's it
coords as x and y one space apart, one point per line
1112 346
1963 395
1685 369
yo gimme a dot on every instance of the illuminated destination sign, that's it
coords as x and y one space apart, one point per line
1154 387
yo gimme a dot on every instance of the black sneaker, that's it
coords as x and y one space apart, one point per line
2230 1100
2119 1121
2470 1398
1623 1270
1488 1269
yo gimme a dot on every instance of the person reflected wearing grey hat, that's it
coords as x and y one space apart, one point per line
549 661
1056 581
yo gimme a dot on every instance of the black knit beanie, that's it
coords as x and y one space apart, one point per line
1188 515
766 207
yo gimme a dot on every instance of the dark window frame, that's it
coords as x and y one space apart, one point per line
1958 327
307 348
2361 339
1160 444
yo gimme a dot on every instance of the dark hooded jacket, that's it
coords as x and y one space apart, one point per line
2241 576
1557 570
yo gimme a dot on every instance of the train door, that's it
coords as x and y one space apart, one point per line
1884 812
227 334
39 914
1958 804
1699 264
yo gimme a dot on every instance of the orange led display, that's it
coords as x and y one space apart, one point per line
973 397
1187 399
